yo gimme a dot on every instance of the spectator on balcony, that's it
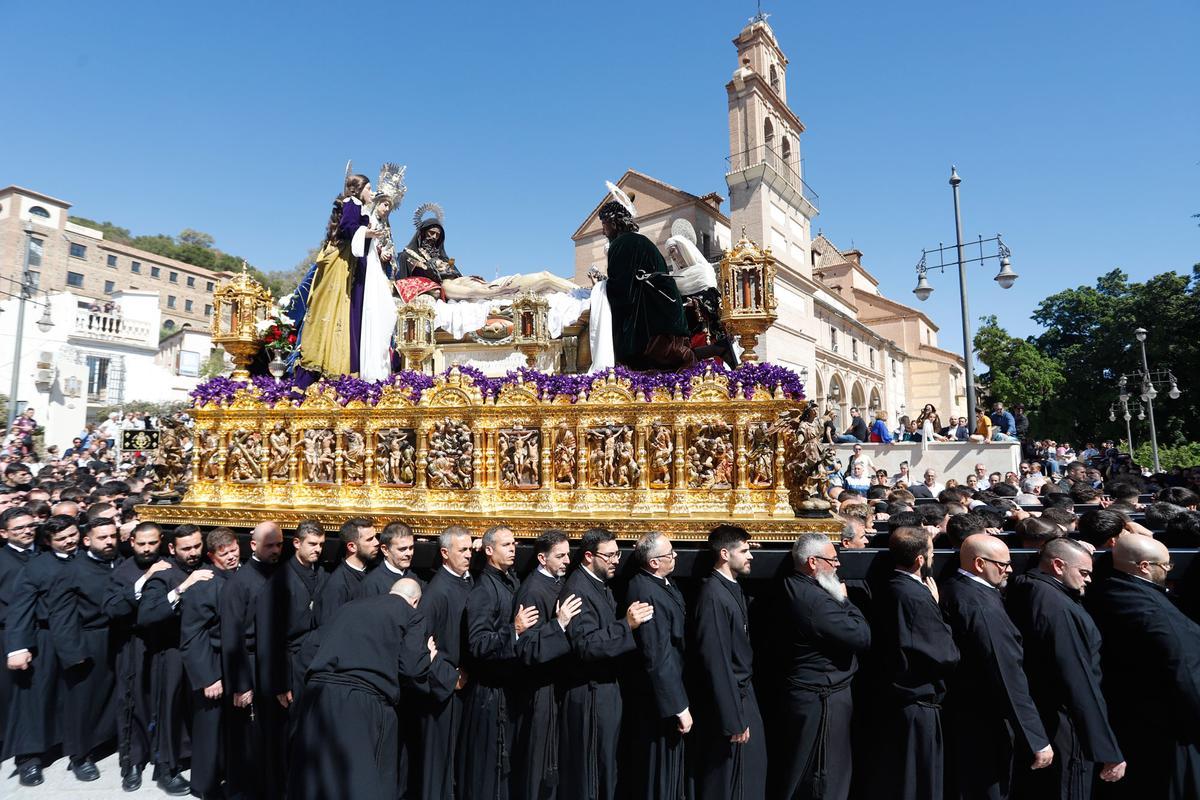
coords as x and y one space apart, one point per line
858 479
858 427
983 430
1021 421
879 428
960 432
1003 420
858 456
109 429
829 433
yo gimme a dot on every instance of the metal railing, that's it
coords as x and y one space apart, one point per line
764 154
110 327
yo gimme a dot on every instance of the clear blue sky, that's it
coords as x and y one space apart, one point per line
1075 125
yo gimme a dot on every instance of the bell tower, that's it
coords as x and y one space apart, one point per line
767 193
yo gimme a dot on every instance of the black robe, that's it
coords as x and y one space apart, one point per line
827 637
345 746
1151 660
12 561
244 728
200 650
35 711
990 717
131 665
483 763
723 699
591 701
170 702
917 653
640 309
534 706
342 586
1062 663
444 606
82 640
656 693
382 578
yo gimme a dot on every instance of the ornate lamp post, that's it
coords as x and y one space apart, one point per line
238 305
414 332
531 334
748 293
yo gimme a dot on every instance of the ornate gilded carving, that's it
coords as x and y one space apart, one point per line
396 456
279 444
208 445
320 455
171 463
613 460
662 456
806 461
520 453
566 456
710 459
760 462
245 456
354 455
450 460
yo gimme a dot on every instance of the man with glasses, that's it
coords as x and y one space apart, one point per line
591 706
662 714
1062 663
828 635
1151 661
990 717
17 528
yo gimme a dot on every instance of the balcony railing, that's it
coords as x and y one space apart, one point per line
111 328
764 154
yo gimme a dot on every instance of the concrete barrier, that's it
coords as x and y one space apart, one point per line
951 459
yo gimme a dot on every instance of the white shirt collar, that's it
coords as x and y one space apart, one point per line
546 572
63 556
592 575
18 549
912 575
462 577
356 569
976 578
723 575
388 565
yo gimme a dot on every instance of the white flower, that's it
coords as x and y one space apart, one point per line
264 325
285 301
284 319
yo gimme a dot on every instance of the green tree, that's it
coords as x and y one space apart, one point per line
214 365
1017 371
199 238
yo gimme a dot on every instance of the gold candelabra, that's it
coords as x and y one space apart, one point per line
239 304
531 334
748 293
415 332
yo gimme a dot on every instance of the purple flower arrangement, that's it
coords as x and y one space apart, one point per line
746 378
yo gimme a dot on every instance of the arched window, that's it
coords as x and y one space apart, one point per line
169 324
38 211
768 134
774 79
785 151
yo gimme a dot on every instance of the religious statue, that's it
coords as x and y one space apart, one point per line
379 256
245 456
450 461
760 463
279 444
319 455
697 283
710 457
355 453
565 456
423 265
396 456
519 458
661 452
613 459
208 443
806 461
170 463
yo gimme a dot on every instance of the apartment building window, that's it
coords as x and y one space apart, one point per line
854 348
207 310
209 286
35 252
109 287
173 277
75 279
191 281
135 267
78 250
111 261
833 343
893 367
97 379
38 211
187 305
170 301
155 272
871 355
35 278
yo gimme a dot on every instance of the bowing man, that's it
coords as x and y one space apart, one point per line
728 745
591 705
990 714
828 634
660 715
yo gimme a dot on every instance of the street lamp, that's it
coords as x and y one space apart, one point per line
26 289
1150 380
1005 277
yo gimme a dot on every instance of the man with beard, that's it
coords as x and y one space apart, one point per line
989 713
918 653
17 528
132 662
285 623
444 606
200 650
828 634
541 651
158 617
493 631
1151 660
346 582
397 544
728 743
246 731
34 724
1062 663
591 705
81 639
660 714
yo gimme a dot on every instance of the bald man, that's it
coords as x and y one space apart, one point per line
990 717
1151 662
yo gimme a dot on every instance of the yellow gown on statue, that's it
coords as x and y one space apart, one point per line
325 346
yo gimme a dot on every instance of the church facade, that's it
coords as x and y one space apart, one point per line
853 346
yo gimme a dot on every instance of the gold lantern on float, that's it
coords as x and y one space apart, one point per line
415 331
748 293
530 334
239 304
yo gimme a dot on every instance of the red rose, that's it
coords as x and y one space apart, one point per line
291 338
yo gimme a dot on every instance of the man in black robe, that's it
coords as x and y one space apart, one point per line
373 649
658 715
397 544
542 650
493 629
1062 663
285 622
591 705
34 724
647 311
917 653
1151 660
346 582
728 747
828 635
990 717
245 730
158 617
17 528
443 606
132 662
200 650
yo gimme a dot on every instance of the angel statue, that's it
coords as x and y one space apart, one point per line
697 283
378 308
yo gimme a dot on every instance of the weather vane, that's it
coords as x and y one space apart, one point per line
760 16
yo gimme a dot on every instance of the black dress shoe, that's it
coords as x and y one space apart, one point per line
85 770
131 781
175 784
31 775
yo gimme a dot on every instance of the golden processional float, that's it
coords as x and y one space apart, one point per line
678 453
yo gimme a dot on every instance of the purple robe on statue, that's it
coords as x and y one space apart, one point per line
353 218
